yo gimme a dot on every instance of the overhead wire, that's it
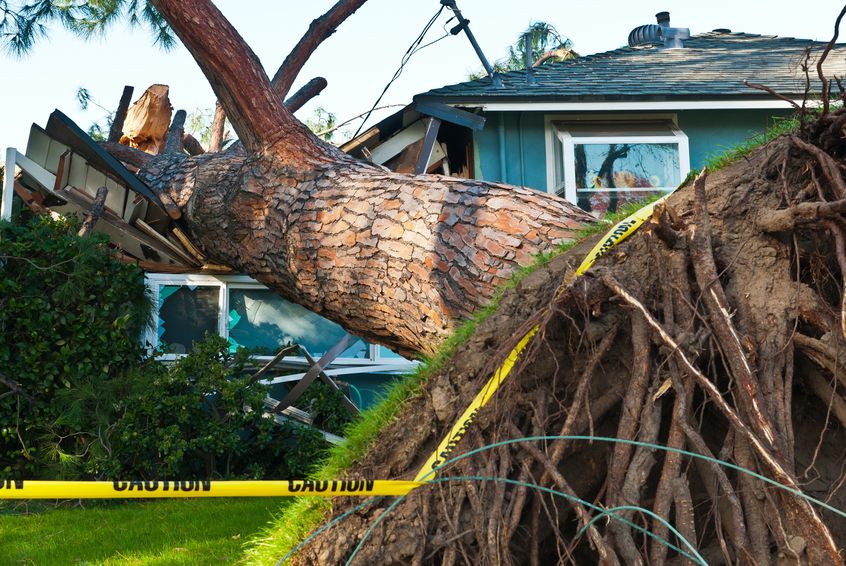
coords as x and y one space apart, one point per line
412 49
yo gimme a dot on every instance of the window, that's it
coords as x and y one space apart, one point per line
249 315
602 165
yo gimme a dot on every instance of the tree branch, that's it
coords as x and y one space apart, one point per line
235 74
319 30
120 114
173 143
308 91
217 129
96 211
191 145
127 154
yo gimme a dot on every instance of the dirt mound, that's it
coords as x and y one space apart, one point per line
716 329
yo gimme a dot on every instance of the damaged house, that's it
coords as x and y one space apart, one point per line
607 128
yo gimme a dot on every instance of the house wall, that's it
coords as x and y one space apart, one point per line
709 132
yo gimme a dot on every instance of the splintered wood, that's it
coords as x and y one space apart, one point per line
147 120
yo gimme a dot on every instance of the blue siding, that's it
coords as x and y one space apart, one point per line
709 132
712 132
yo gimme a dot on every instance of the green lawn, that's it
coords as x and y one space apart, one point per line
189 531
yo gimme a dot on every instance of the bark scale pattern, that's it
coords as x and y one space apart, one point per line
394 258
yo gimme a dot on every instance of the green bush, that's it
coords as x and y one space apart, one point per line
187 419
69 314
79 398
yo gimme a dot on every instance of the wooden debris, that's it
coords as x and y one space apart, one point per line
96 211
147 120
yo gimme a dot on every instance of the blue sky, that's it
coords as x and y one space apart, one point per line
361 57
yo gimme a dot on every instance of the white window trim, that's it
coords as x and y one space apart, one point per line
227 282
552 133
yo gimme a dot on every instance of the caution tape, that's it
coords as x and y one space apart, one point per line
451 440
618 233
156 489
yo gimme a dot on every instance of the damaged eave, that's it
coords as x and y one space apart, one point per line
60 173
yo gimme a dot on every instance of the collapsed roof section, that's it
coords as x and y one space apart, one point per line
421 138
61 172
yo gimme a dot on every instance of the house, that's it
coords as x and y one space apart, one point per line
61 171
606 128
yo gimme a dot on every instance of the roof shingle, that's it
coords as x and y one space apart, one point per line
711 65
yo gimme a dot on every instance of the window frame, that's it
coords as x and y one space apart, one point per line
568 143
225 283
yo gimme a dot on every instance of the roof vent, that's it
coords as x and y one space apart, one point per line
672 37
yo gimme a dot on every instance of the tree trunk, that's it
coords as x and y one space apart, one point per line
397 259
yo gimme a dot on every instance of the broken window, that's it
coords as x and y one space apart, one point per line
186 313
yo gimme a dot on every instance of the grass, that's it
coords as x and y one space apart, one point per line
177 532
304 514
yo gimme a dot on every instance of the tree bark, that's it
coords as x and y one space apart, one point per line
396 259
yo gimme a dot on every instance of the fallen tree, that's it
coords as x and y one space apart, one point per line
718 328
396 259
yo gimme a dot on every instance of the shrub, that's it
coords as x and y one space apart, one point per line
188 420
78 398
69 314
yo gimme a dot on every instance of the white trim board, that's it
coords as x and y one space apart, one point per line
651 105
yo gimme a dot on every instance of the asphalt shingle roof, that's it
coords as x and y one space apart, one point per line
711 65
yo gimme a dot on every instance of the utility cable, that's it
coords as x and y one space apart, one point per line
412 49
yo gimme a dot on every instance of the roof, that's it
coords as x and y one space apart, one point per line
711 65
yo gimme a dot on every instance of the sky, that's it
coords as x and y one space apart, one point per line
358 60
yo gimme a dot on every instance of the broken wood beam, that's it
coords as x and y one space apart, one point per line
429 141
287 350
314 371
116 131
308 91
95 213
32 199
174 141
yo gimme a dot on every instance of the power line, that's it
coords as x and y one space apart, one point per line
412 49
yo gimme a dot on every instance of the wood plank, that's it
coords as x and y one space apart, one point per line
429 142
147 229
188 245
398 142
451 114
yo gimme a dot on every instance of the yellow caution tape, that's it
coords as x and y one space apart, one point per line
438 457
35 489
618 233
